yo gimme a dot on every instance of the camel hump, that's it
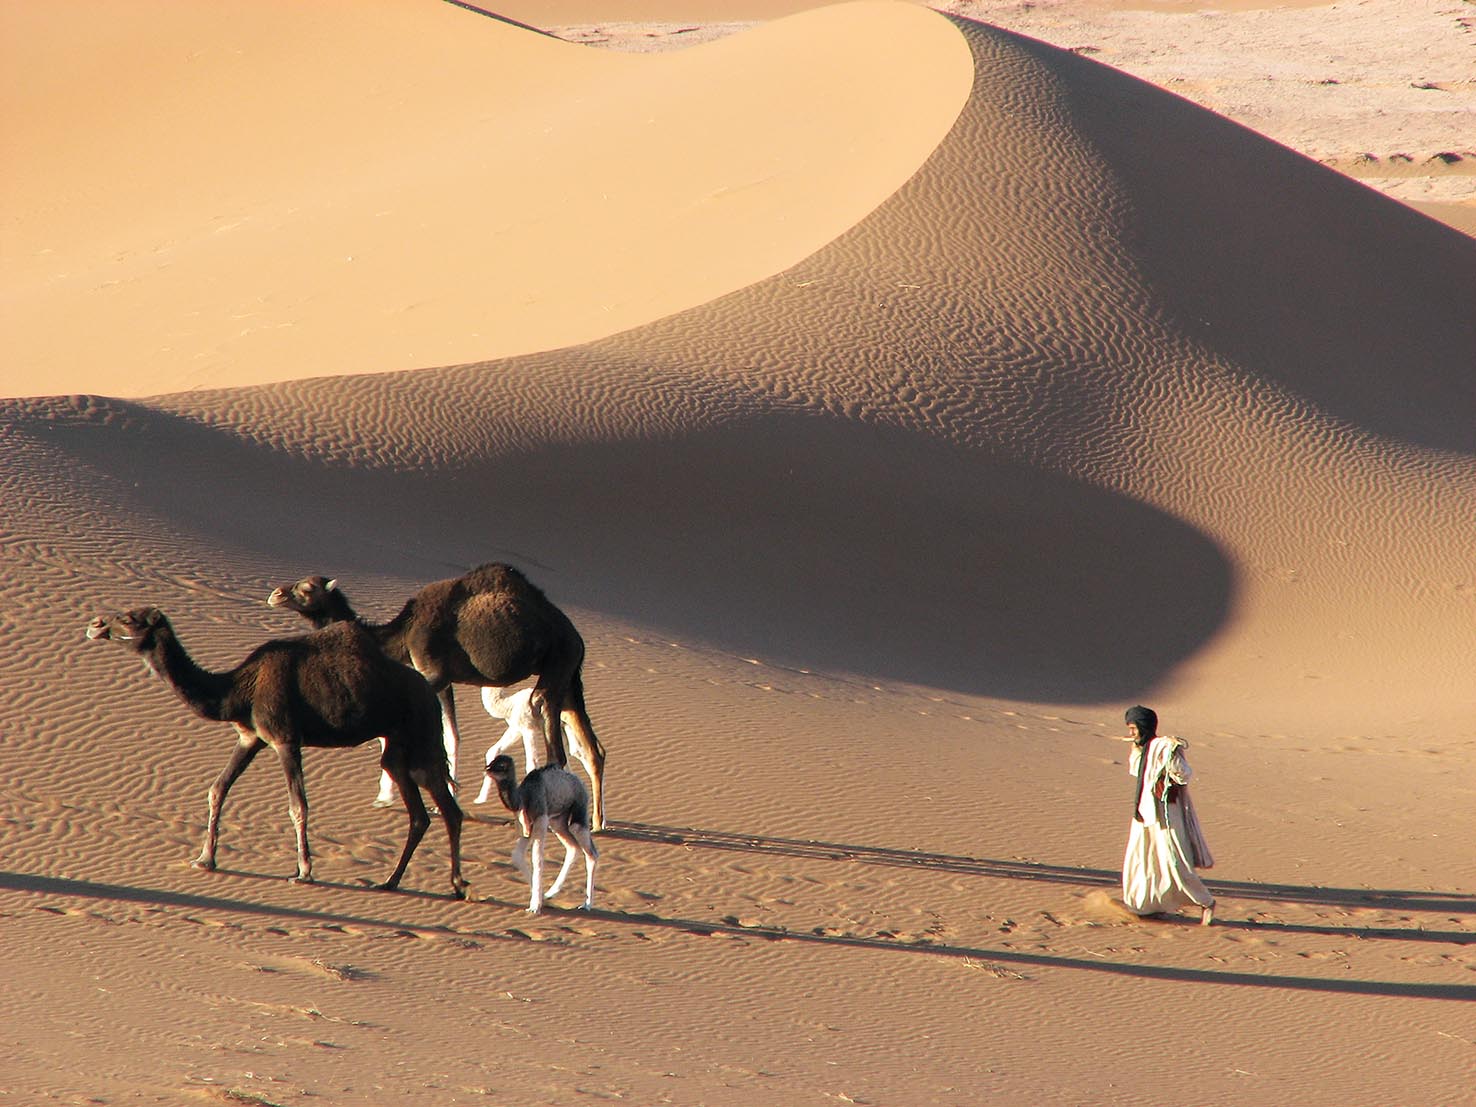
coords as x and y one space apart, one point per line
497 575
497 606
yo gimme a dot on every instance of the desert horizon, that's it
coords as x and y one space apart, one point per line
890 397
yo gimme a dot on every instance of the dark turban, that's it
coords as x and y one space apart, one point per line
1146 719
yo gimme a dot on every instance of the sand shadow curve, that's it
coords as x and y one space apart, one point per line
803 539
843 546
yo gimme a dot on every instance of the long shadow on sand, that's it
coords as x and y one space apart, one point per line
991 960
994 960
1348 898
159 897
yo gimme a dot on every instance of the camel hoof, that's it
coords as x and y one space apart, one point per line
204 864
301 879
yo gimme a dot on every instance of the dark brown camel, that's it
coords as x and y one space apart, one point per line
332 688
489 628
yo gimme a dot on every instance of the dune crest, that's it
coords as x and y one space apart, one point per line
259 193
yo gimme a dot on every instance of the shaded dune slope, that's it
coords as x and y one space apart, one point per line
1048 424
775 533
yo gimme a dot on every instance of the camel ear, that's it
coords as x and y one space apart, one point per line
153 617
332 585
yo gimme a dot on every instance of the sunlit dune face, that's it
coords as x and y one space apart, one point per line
386 199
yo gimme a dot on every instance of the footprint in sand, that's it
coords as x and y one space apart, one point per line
1103 905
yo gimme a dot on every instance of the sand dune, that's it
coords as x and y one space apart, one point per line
1037 393
1378 90
414 196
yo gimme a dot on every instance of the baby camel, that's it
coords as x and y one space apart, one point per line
549 798
333 688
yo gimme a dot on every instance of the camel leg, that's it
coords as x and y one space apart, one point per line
500 746
247 747
522 712
450 734
571 847
580 736
419 820
291 758
386 797
591 862
520 858
498 703
486 782
540 831
553 727
451 815
587 748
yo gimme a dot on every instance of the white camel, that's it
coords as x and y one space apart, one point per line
522 711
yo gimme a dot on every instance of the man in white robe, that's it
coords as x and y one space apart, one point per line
1165 843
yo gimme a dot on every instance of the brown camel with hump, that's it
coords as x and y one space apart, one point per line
490 628
331 688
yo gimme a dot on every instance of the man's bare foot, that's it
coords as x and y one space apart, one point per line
1207 915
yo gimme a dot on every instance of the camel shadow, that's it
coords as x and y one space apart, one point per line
358 884
157 897
993 961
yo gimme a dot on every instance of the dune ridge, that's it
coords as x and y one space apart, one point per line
1105 400
412 196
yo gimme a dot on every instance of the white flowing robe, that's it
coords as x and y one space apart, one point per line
1167 846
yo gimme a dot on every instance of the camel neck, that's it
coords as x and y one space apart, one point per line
391 636
511 796
204 691
338 611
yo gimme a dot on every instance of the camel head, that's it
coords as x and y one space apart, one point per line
316 599
504 774
502 770
136 629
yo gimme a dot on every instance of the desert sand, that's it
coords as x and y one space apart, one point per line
891 396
